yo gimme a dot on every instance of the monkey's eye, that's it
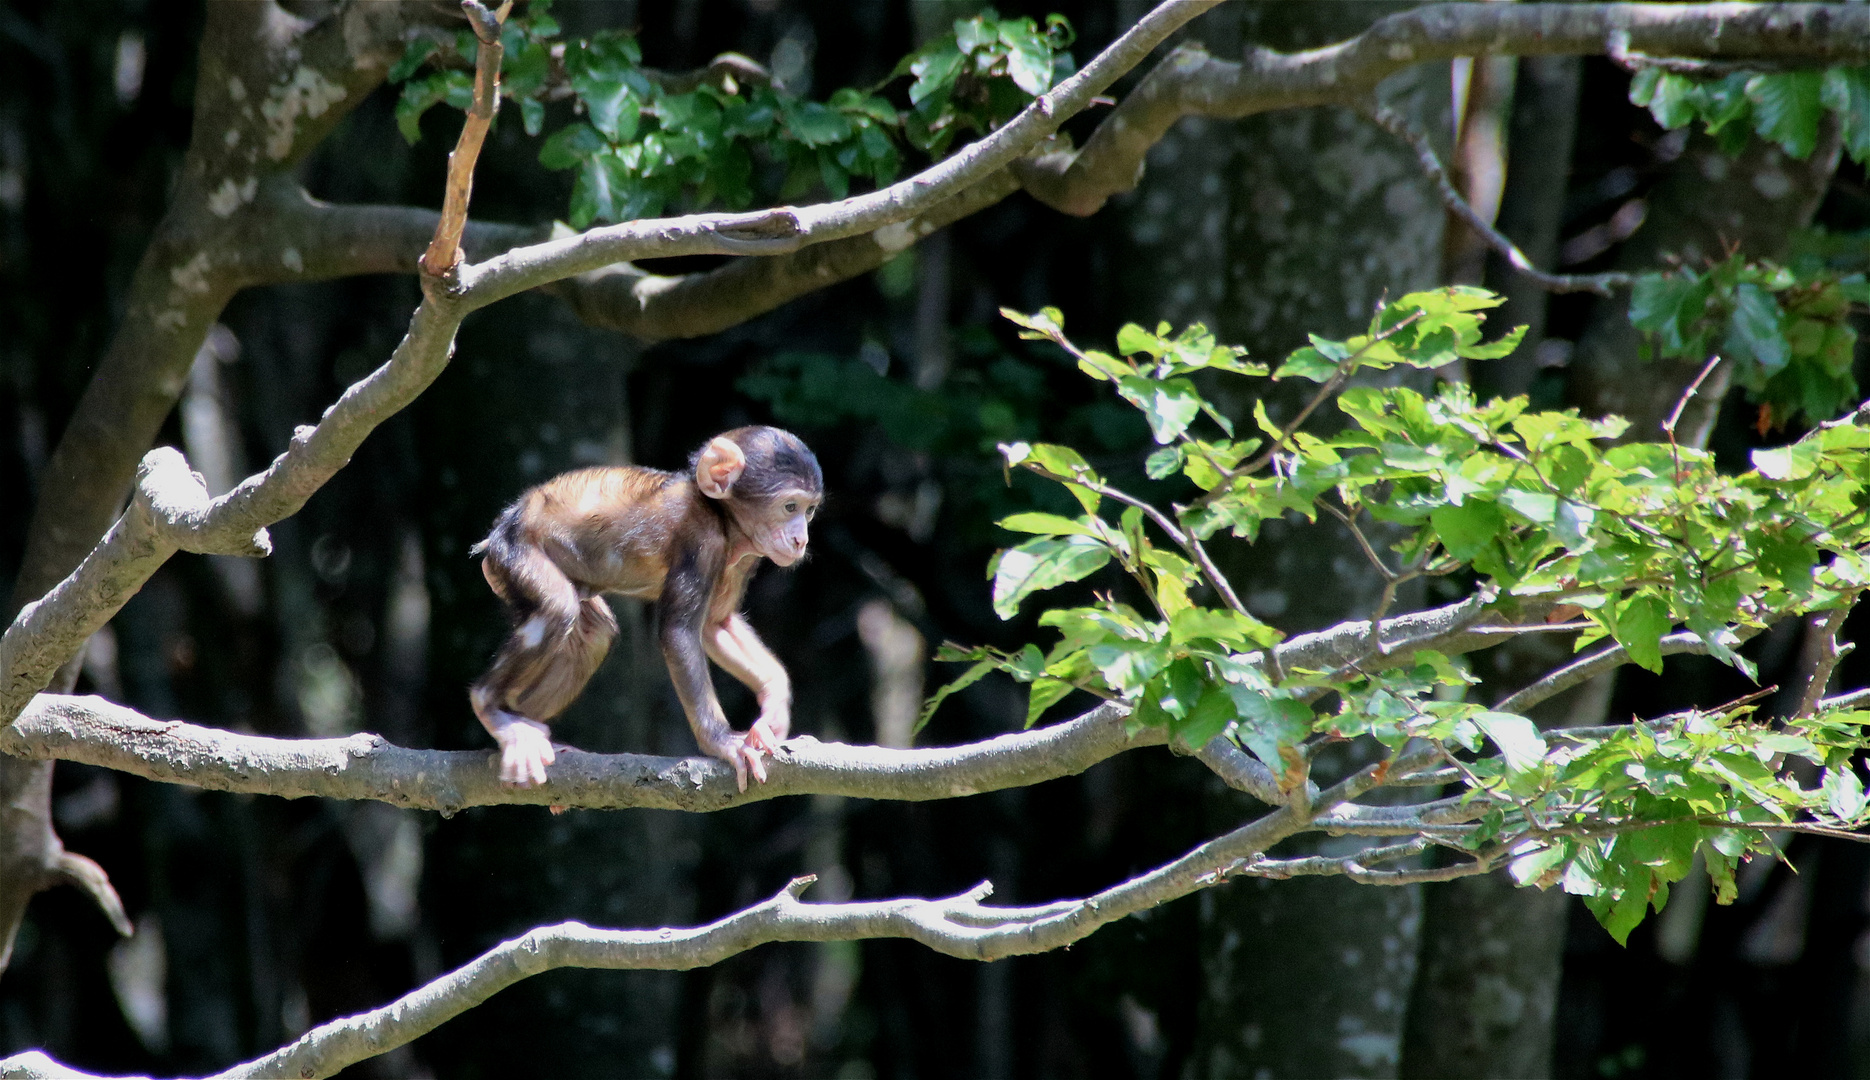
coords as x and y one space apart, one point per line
792 506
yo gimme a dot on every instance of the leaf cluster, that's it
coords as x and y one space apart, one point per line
648 144
1783 108
1628 540
1787 332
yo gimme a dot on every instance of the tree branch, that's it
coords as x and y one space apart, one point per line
1397 125
1192 83
364 766
959 926
784 229
1822 654
1582 671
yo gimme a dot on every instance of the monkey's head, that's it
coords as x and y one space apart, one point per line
769 481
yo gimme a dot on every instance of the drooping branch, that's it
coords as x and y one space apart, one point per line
1192 83
1396 124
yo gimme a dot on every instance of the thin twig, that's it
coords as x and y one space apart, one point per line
1597 663
1601 284
445 250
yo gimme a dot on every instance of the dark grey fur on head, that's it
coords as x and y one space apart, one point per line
776 460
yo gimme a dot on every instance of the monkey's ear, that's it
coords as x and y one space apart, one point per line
721 463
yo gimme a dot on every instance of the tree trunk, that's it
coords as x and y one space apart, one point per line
1266 229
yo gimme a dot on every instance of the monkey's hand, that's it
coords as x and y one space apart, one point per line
525 751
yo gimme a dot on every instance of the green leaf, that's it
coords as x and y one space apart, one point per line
1170 405
1029 56
1048 324
1755 330
1211 714
1043 564
1468 529
1844 792
570 146
814 124
1163 463
1641 622
1046 692
1786 108
1133 339
1518 739
1219 624
1668 305
1847 93
603 73
1269 723
1102 366
1318 361
935 67
1047 524
968 678
1667 96
1794 462
532 115
414 54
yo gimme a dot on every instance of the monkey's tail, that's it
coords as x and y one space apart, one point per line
517 571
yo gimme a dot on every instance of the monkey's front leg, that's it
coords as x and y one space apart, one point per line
688 667
740 652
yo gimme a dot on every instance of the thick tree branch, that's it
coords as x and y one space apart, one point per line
1192 83
97 732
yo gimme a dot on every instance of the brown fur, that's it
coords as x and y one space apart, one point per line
656 536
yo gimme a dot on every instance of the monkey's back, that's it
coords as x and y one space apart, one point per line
610 528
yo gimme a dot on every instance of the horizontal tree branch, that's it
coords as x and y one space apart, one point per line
97 732
1192 83
959 926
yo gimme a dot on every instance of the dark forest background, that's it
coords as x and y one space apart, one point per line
258 917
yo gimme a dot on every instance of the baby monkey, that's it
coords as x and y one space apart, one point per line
689 542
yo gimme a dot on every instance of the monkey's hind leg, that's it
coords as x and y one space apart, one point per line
562 635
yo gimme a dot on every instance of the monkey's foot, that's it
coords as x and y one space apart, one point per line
525 751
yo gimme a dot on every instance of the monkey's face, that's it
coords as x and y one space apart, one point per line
779 529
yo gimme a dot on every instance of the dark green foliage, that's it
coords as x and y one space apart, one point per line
1786 332
1783 108
645 148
